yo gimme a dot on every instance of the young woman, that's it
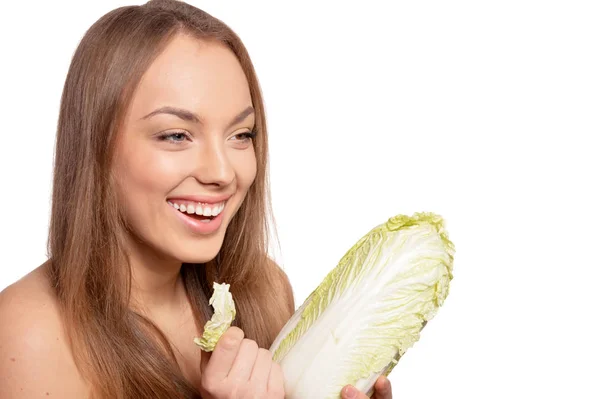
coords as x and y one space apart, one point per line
160 189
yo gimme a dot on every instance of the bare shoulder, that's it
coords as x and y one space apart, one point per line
35 360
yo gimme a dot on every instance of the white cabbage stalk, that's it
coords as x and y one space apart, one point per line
368 310
224 313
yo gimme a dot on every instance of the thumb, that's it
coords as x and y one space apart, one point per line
204 359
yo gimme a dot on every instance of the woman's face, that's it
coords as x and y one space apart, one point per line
185 158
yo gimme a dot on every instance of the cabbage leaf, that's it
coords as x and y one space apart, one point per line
368 310
224 313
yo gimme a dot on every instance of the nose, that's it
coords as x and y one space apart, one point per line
213 165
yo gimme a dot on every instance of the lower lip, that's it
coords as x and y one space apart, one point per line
198 226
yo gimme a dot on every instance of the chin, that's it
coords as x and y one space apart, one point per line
196 259
197 253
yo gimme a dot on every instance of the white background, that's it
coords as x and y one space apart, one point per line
484 112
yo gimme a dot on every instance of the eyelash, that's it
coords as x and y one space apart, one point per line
251 135
167 136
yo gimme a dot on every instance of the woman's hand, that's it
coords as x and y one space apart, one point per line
383 390
239 369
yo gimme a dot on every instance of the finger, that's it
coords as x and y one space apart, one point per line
275 385
204 359
350 392
383 388
224 354
244 361
262 369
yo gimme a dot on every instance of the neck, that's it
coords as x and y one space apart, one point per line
156 281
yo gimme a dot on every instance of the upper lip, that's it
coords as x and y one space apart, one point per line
205 199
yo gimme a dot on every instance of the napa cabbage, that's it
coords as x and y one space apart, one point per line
368 310
223 315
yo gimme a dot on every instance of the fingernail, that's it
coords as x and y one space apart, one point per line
350 392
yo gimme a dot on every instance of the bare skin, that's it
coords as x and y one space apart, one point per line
160 156
383 390
33 345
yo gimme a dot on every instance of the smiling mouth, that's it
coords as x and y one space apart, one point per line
198 210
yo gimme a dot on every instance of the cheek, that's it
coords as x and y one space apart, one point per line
150 171
144 179
244 164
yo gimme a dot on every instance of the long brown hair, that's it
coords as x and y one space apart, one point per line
119 352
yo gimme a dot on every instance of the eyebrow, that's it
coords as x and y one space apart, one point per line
189 116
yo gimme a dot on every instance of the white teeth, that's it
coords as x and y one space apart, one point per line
218 209
198 209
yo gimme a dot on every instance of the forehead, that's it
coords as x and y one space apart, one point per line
201 76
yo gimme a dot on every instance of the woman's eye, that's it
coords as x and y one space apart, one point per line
246 136
174 137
